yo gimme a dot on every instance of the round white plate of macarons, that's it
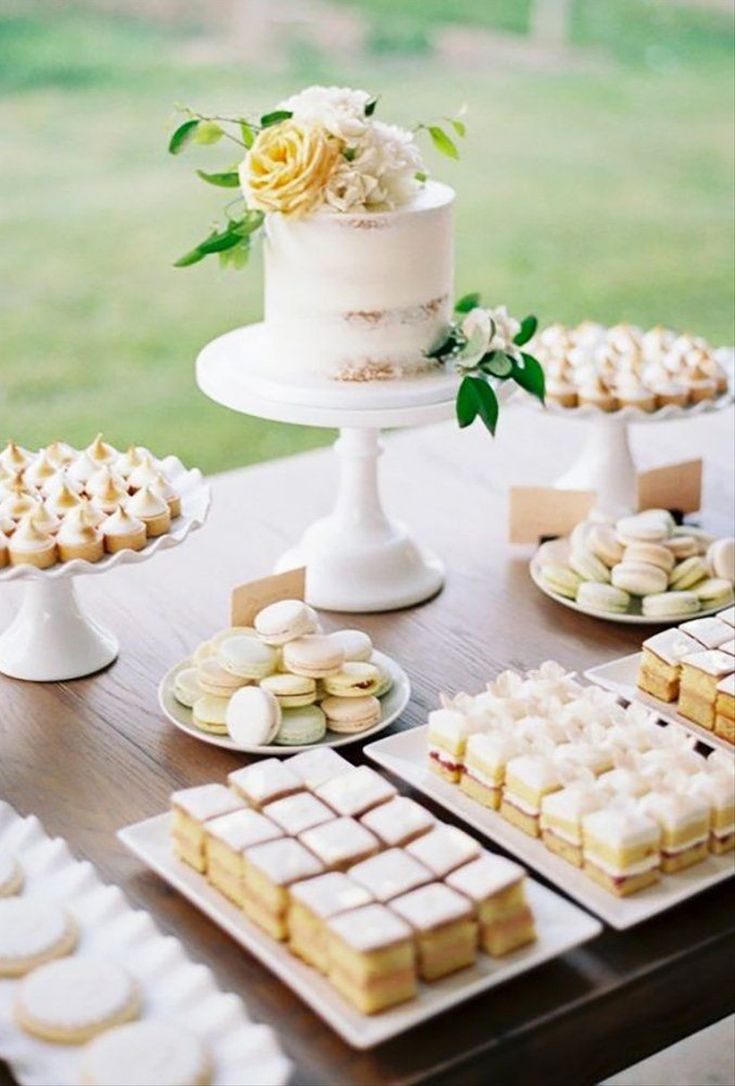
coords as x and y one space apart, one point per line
557 551
392 703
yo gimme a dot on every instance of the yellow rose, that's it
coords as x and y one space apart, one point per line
288 167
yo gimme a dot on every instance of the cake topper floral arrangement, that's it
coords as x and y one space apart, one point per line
324 148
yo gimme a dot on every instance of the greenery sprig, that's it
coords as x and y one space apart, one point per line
481 367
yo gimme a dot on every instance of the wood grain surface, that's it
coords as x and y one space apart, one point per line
93 755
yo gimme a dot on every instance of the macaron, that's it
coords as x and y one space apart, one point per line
581 533
247 657
292 691
721 559
688 573
285 620
714 592
314 656
703 539
385 682
561 579
655 554
603 597
355 644
349 715
202 651
647 527
670 604
588 566
605 545
214 679
682 546
354 679
231 631
301 726
210 714
186 687
253 716
639 578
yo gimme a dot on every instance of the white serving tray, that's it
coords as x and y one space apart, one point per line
620 676
561 926
392 705
173 987
405 755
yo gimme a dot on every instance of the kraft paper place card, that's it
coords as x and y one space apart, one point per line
248 599
674 486
538 511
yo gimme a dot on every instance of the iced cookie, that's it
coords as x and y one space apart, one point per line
32 932
71 1001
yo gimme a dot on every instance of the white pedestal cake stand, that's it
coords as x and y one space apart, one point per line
356 558
51 638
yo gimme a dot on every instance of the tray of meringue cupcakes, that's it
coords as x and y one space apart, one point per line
65 510
92 992
377 914
619 809
591 369
642 568
283 685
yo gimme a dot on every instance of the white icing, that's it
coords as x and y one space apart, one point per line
353 792
390 873
370 928
298 813
284 861
621 827
146 1054
485 877
263 781
710 632
329 894
676 812
146 505
206 801
671 645
76 530
443 849
28 539
315 767
398 819
339 841
431 906
537 773
711 661
30 927
121 523
75 992
727 685
243 828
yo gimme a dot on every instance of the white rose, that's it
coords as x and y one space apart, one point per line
478 325
339 110
380 173
506 329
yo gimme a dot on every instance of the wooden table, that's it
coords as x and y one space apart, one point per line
90 756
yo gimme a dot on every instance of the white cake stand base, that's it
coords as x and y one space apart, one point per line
356 558
606 465
51 638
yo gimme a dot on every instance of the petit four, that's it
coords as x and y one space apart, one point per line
725 709
700 674
660 667
717 788
340 843
486 756
449 730
496 887
152 510
226 839
192 808
121 531
371 958
710 633
311 904
621 849
265 782
269 870
356 791
398 821
30 546
154 1053
561 819
684 821
390 874
315 767
32 932
297 813
528 778
443 849
73 1000
77 538
444 926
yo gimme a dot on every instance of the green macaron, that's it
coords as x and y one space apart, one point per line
561 579
301 726
688 573
603 597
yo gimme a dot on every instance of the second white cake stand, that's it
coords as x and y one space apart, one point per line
356 558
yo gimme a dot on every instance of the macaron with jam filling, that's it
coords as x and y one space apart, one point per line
314 656
355 679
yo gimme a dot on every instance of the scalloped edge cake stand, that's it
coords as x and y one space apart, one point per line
52 638
605 463
356 558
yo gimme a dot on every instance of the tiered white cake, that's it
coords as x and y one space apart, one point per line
364 295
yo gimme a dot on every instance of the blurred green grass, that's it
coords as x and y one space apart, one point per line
603 191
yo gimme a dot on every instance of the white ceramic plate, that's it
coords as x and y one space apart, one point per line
405 756
393 703
620 677
173 987
195 501
560 926
557 550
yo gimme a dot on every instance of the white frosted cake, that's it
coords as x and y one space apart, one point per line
363 295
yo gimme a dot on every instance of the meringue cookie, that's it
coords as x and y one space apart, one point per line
77 538
122 531
153 511
28 546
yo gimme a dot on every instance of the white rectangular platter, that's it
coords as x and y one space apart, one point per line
173 987
560 925
404 755
620 677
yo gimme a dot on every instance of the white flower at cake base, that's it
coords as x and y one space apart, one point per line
377 172
340 111
493 329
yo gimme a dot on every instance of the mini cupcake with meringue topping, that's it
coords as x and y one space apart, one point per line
77 538
162 488
122 531
152 510
30 547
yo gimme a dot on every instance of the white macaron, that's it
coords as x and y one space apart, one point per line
253 717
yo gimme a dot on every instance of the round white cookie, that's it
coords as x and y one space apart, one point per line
31 933
146 1054
253 716
11 875
71 1001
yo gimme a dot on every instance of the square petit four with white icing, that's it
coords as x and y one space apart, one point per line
709 632
622 849
269 871
399 821
340 843
316 767
497 889
264 782
297 813
312 903
371 958
700 674
444 927
355 792
225 841
390 874
443 849
725 709
192 808
660 667
728 616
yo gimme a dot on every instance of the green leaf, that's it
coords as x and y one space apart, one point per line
497 364
476 397
208 132
443 143
467 302
248 136
275 117
248 223
349 153
192 257
421 176
528 329
229 180
448 346
181 137
459 127
219 241
370 107
530 376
